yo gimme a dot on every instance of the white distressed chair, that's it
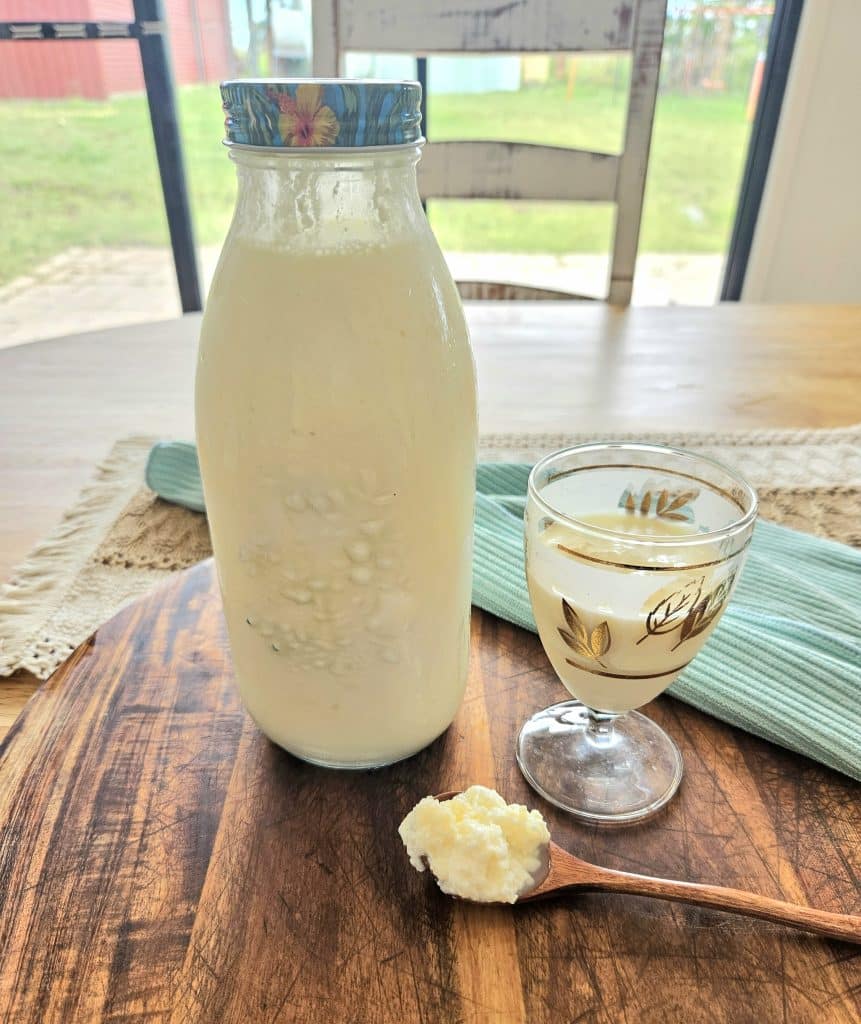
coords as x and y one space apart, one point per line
516 170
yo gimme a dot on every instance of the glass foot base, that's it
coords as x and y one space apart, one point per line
619 772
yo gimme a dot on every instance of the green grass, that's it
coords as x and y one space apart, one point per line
698 149
83 173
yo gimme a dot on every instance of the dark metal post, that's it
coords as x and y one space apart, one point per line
161 97
422 76
781 43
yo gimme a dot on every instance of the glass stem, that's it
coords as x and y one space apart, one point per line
600 727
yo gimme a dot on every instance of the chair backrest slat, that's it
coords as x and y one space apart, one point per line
485 26
516 170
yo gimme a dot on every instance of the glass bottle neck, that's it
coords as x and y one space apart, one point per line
327 199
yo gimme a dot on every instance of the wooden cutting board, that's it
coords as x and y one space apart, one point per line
161 861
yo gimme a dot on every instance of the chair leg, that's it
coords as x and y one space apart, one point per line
620 291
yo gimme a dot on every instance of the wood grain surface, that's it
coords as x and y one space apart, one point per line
542 368
161 861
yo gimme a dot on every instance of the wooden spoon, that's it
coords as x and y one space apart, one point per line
565 871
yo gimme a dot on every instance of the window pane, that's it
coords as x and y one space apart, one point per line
556 100
563 246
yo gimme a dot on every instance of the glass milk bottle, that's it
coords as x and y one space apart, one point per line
336 427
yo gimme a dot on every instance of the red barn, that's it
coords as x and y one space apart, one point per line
198 31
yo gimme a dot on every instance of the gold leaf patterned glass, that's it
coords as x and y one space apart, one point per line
632 553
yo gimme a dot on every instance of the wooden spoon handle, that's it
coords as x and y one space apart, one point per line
835 926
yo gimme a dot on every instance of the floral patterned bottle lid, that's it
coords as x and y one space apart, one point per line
321 113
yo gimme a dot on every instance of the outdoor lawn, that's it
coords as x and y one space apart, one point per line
83 173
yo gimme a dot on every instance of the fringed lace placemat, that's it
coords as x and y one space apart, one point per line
120 540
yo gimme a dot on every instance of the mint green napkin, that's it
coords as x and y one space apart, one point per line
783 663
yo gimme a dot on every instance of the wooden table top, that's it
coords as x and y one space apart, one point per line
542 367
553 367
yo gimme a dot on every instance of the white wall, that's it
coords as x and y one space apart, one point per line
473 74
807 244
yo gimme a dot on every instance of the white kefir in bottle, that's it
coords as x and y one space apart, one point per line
335 409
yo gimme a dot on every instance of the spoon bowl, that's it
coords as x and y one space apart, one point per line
562 872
